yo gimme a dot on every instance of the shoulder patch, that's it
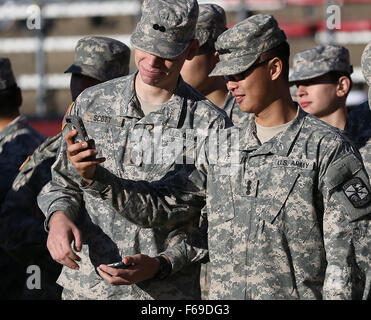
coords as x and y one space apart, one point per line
343 170
357 193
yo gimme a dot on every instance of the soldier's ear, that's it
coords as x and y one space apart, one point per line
343 86
192 49
275 66
216 57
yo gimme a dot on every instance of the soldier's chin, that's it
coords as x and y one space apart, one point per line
152 79
244 106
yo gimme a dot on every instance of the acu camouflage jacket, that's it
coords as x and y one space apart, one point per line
290 221
113 118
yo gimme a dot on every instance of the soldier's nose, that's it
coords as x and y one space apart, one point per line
301 91
154 60
231 85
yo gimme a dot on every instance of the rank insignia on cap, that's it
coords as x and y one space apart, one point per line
357 192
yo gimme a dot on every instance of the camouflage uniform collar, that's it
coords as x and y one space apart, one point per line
16 124
133 109
170 112
280 144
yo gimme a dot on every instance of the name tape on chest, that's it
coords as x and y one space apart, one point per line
103 119
294 163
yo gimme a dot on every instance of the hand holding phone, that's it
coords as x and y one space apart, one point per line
118 265
75 123
83 158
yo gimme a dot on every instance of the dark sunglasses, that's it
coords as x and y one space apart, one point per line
244 74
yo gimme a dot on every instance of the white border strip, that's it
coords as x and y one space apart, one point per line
68 43
51 81
62 81
235 5
345 37
51 44
12 11
89 9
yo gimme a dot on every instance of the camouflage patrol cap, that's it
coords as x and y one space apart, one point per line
240 46
7 79
100 58
319 60
366 69
166 27
211 23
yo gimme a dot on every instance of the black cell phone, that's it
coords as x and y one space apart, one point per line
118 265
76 123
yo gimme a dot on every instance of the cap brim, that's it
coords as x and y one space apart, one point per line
233 66
85 70
296 77
157 47
74 69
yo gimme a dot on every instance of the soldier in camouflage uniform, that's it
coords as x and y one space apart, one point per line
17 137
119 115
22 234
211 23
17 140
322 76
97 59
292 220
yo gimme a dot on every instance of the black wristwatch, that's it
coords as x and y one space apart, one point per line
165 269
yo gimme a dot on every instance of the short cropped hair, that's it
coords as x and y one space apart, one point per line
282 51
336 75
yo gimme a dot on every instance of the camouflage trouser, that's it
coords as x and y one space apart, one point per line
71 295
205 280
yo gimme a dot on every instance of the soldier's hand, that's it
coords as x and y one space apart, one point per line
82 159
142 268
62 231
